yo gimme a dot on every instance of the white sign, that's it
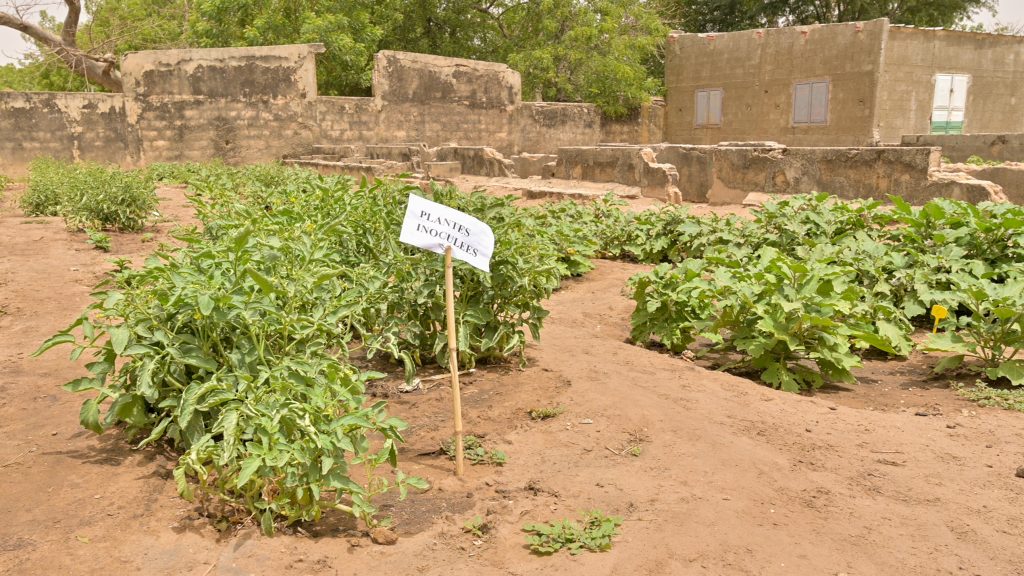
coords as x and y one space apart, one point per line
434 226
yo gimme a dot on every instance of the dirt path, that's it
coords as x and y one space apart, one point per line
734 478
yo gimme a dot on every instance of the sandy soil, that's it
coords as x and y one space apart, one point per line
733 478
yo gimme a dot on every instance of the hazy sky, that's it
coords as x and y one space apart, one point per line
12 46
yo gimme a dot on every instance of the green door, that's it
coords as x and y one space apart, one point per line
949 105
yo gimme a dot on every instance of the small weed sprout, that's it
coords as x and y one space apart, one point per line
99 240
594 535
477 526
475 451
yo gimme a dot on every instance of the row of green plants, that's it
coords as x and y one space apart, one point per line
799 293
90 196
248 348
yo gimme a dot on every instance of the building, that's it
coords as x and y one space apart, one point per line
849 84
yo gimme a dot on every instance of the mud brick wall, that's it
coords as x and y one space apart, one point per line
726 174
66 126
341 119
644 126
244 105
960 147
236 104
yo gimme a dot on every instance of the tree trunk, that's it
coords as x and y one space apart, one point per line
101 70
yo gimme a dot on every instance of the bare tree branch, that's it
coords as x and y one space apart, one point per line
69 34
99 70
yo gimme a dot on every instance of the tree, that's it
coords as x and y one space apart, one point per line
728 15
603 51
350 30
63 43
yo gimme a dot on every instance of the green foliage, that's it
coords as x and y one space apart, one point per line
991 333
89 196
99 240
474 451
17 78
984 395
600 51
799 292
349 30
594 535
4 182
477 526
233 349
727 15
979 161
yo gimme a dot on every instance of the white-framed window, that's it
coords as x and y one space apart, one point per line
810 102
708 107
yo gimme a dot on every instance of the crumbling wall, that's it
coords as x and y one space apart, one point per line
1009 176
260 104
645 125
728 173
544 127
236 104
960 147
61 125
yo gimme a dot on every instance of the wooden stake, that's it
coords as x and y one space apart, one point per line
453 357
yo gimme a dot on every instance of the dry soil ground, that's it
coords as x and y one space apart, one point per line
733 478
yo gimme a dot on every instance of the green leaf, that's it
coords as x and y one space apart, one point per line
89 416
205 304
1012 370
262 281
949 363
57 340
82 384
249 467
119 336
267 523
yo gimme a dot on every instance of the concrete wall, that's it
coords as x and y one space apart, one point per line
644 126
728 174
67 126
960 147
912 58
450 101
260 104
1009 176
757 70
237 104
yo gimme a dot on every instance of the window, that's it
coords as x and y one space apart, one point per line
709 107
949 104
810 102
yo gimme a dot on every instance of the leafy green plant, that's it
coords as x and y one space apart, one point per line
985 395
98 240
979 161
474 451
89 196
992 333
5 181
477 526
545 413
794 323
595 534
233 348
